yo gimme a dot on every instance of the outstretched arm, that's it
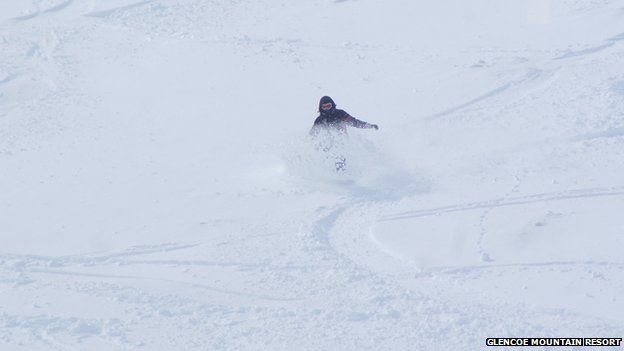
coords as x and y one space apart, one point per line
354 122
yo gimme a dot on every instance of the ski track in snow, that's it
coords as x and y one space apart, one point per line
56 8
117 10
502 202
23 262
493 266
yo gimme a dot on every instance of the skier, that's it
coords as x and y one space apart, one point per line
334 122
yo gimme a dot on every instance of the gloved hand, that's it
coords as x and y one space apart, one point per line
375 126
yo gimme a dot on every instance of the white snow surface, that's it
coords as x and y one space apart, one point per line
158 190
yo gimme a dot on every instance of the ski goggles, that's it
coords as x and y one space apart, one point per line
326 106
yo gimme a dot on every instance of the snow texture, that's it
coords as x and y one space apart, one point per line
159 191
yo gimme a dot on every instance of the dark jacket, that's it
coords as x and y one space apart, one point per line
336 120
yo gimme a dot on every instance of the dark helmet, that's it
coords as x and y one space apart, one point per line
326 100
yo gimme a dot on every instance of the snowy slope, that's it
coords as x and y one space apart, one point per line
158 190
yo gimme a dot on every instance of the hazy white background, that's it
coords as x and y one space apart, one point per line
158 190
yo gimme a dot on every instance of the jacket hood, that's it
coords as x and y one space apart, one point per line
324 100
